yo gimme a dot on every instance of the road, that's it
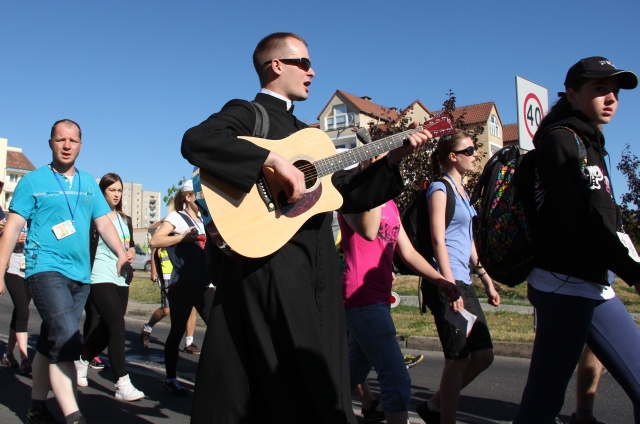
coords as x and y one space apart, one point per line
492 398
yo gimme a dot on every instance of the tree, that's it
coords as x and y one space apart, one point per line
630 201
416 168
171 192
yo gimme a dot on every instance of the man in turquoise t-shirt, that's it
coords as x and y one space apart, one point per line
58 202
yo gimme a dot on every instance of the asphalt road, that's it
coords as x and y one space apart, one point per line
492 398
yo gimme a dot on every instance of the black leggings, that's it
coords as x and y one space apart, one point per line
183 297
20 296
110 301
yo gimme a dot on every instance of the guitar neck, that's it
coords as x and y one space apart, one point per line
343 160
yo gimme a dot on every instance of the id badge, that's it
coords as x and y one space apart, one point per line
63 229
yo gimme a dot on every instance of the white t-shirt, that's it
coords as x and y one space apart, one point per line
554 282
180 225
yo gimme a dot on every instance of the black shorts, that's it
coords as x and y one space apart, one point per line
455 344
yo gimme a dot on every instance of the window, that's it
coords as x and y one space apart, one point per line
339 118
494 128
13 178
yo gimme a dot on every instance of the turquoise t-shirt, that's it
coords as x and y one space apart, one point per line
46 199
104 265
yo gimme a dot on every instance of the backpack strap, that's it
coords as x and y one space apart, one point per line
190 222
451 204
582 149
261 127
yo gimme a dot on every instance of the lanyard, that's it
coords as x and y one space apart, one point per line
72 212
124 243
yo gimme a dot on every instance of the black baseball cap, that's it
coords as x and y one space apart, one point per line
599 67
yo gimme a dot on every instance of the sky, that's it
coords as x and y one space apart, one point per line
137 74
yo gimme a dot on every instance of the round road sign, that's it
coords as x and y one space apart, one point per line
533 113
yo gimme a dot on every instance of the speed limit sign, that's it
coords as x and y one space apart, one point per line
533 103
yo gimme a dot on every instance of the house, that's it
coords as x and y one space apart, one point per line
345 111
13 166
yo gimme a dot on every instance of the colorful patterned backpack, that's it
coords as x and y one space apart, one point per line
509 193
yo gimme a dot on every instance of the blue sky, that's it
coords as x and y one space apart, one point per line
136 74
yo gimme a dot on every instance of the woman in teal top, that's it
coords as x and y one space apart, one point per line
110 295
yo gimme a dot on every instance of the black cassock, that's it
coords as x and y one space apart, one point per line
275 349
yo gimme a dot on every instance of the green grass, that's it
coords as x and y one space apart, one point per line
504 326
143 290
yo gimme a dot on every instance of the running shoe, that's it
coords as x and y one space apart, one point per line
10 361
40 416
96 364
145 335
175 388
192 349
126 391
411 361
82 368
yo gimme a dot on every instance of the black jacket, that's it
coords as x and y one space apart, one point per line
579 216
277 326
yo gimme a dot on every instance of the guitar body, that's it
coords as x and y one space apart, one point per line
260 222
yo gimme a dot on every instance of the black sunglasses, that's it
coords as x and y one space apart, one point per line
469 151
301 62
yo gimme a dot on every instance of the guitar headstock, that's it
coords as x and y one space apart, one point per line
440 125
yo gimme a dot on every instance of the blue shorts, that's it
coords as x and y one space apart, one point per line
372 342
60 302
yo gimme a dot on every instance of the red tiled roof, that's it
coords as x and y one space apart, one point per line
510 133
474 114
367 107
18 160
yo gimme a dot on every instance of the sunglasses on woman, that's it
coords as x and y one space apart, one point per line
301 62
469 151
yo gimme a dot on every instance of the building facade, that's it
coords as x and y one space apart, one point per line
13 166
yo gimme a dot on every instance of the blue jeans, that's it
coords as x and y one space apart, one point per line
565 324
372 342
60 302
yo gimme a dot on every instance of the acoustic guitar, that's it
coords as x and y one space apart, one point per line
258 223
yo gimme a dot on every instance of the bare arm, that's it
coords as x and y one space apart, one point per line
13 227
492 295
365 224
163 238
422 268
437 214
109 234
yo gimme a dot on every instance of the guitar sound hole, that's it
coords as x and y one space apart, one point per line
309 170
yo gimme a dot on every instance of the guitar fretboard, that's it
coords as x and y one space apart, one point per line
334 163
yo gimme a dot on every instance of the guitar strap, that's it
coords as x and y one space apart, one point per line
261 127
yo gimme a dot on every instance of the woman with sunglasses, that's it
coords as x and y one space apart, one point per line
454 250
577 246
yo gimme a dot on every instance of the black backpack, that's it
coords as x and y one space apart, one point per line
509 193
415 220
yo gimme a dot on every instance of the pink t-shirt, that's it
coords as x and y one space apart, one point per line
368 264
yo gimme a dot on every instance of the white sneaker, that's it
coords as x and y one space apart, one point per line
82 367
125 390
